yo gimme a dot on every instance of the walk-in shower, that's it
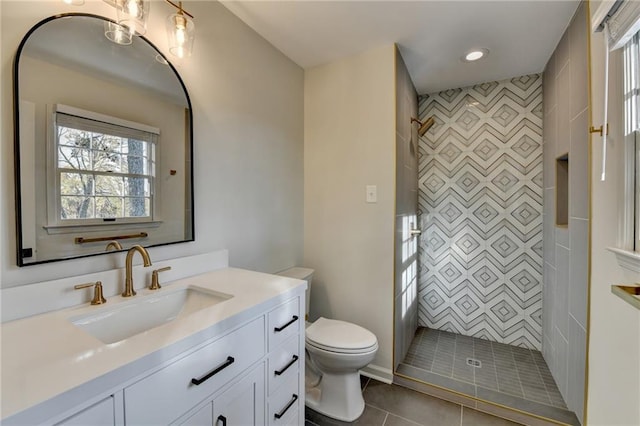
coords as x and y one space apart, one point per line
479 257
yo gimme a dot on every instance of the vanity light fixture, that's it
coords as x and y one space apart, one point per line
117 33
475 54
133 14
180 31
74 2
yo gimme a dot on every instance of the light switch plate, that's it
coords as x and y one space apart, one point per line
372 193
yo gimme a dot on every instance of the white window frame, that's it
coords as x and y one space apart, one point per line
628 250
630 231
55 223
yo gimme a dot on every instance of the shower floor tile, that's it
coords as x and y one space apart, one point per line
491 368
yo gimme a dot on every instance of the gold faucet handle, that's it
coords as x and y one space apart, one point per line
155 283
98 298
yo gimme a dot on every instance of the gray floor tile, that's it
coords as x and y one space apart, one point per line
363 381
483 352
471 417
487 383
528 406
537 397
517 372
411 405
442 369
393 420
438 380
371 416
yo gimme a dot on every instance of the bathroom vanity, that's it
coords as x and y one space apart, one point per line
233 355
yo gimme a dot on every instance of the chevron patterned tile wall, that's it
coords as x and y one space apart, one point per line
480 203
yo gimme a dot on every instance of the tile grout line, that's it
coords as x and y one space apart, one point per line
366 384
535 364
543 382
434 355
495 366
396 415
403 418
473 355
518 373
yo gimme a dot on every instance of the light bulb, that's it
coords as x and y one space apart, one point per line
180 36
180 32
119 36
133 14
132 8
117 33
181 27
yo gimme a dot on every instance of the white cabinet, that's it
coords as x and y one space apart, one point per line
165 395
202 417
250 372
242 404
285 366
100 414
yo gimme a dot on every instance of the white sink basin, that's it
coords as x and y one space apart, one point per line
142 313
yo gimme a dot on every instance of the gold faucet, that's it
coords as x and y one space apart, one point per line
98 298
113 245
128 282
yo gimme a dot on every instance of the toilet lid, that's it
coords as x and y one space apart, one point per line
339 336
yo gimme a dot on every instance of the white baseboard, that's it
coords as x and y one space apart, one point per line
384 375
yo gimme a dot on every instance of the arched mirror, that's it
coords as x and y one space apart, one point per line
103 143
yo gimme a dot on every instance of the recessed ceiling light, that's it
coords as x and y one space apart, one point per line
475 54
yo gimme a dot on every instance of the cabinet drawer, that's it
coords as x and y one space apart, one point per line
284 322
284 363
170 392
243 404
284 404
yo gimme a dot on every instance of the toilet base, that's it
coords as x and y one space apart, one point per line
337 396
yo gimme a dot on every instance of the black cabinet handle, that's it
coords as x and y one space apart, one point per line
294 398
286 367
222 419
294 319
230 360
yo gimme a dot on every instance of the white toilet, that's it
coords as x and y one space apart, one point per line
336 351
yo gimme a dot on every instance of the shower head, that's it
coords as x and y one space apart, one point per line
423 126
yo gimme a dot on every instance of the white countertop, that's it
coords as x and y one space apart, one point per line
46 356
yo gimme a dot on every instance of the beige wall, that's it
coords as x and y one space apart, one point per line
614 325
247 102
349 142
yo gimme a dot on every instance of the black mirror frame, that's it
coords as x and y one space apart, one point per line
16 142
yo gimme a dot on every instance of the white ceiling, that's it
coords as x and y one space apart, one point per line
432 35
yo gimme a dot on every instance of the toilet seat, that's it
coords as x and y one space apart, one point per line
340 337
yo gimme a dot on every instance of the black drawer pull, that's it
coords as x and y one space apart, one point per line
202 379
281 413
294 319
286 367
223 420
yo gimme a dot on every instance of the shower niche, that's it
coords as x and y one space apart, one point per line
562 191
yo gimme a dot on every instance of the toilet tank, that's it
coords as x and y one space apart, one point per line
301 274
